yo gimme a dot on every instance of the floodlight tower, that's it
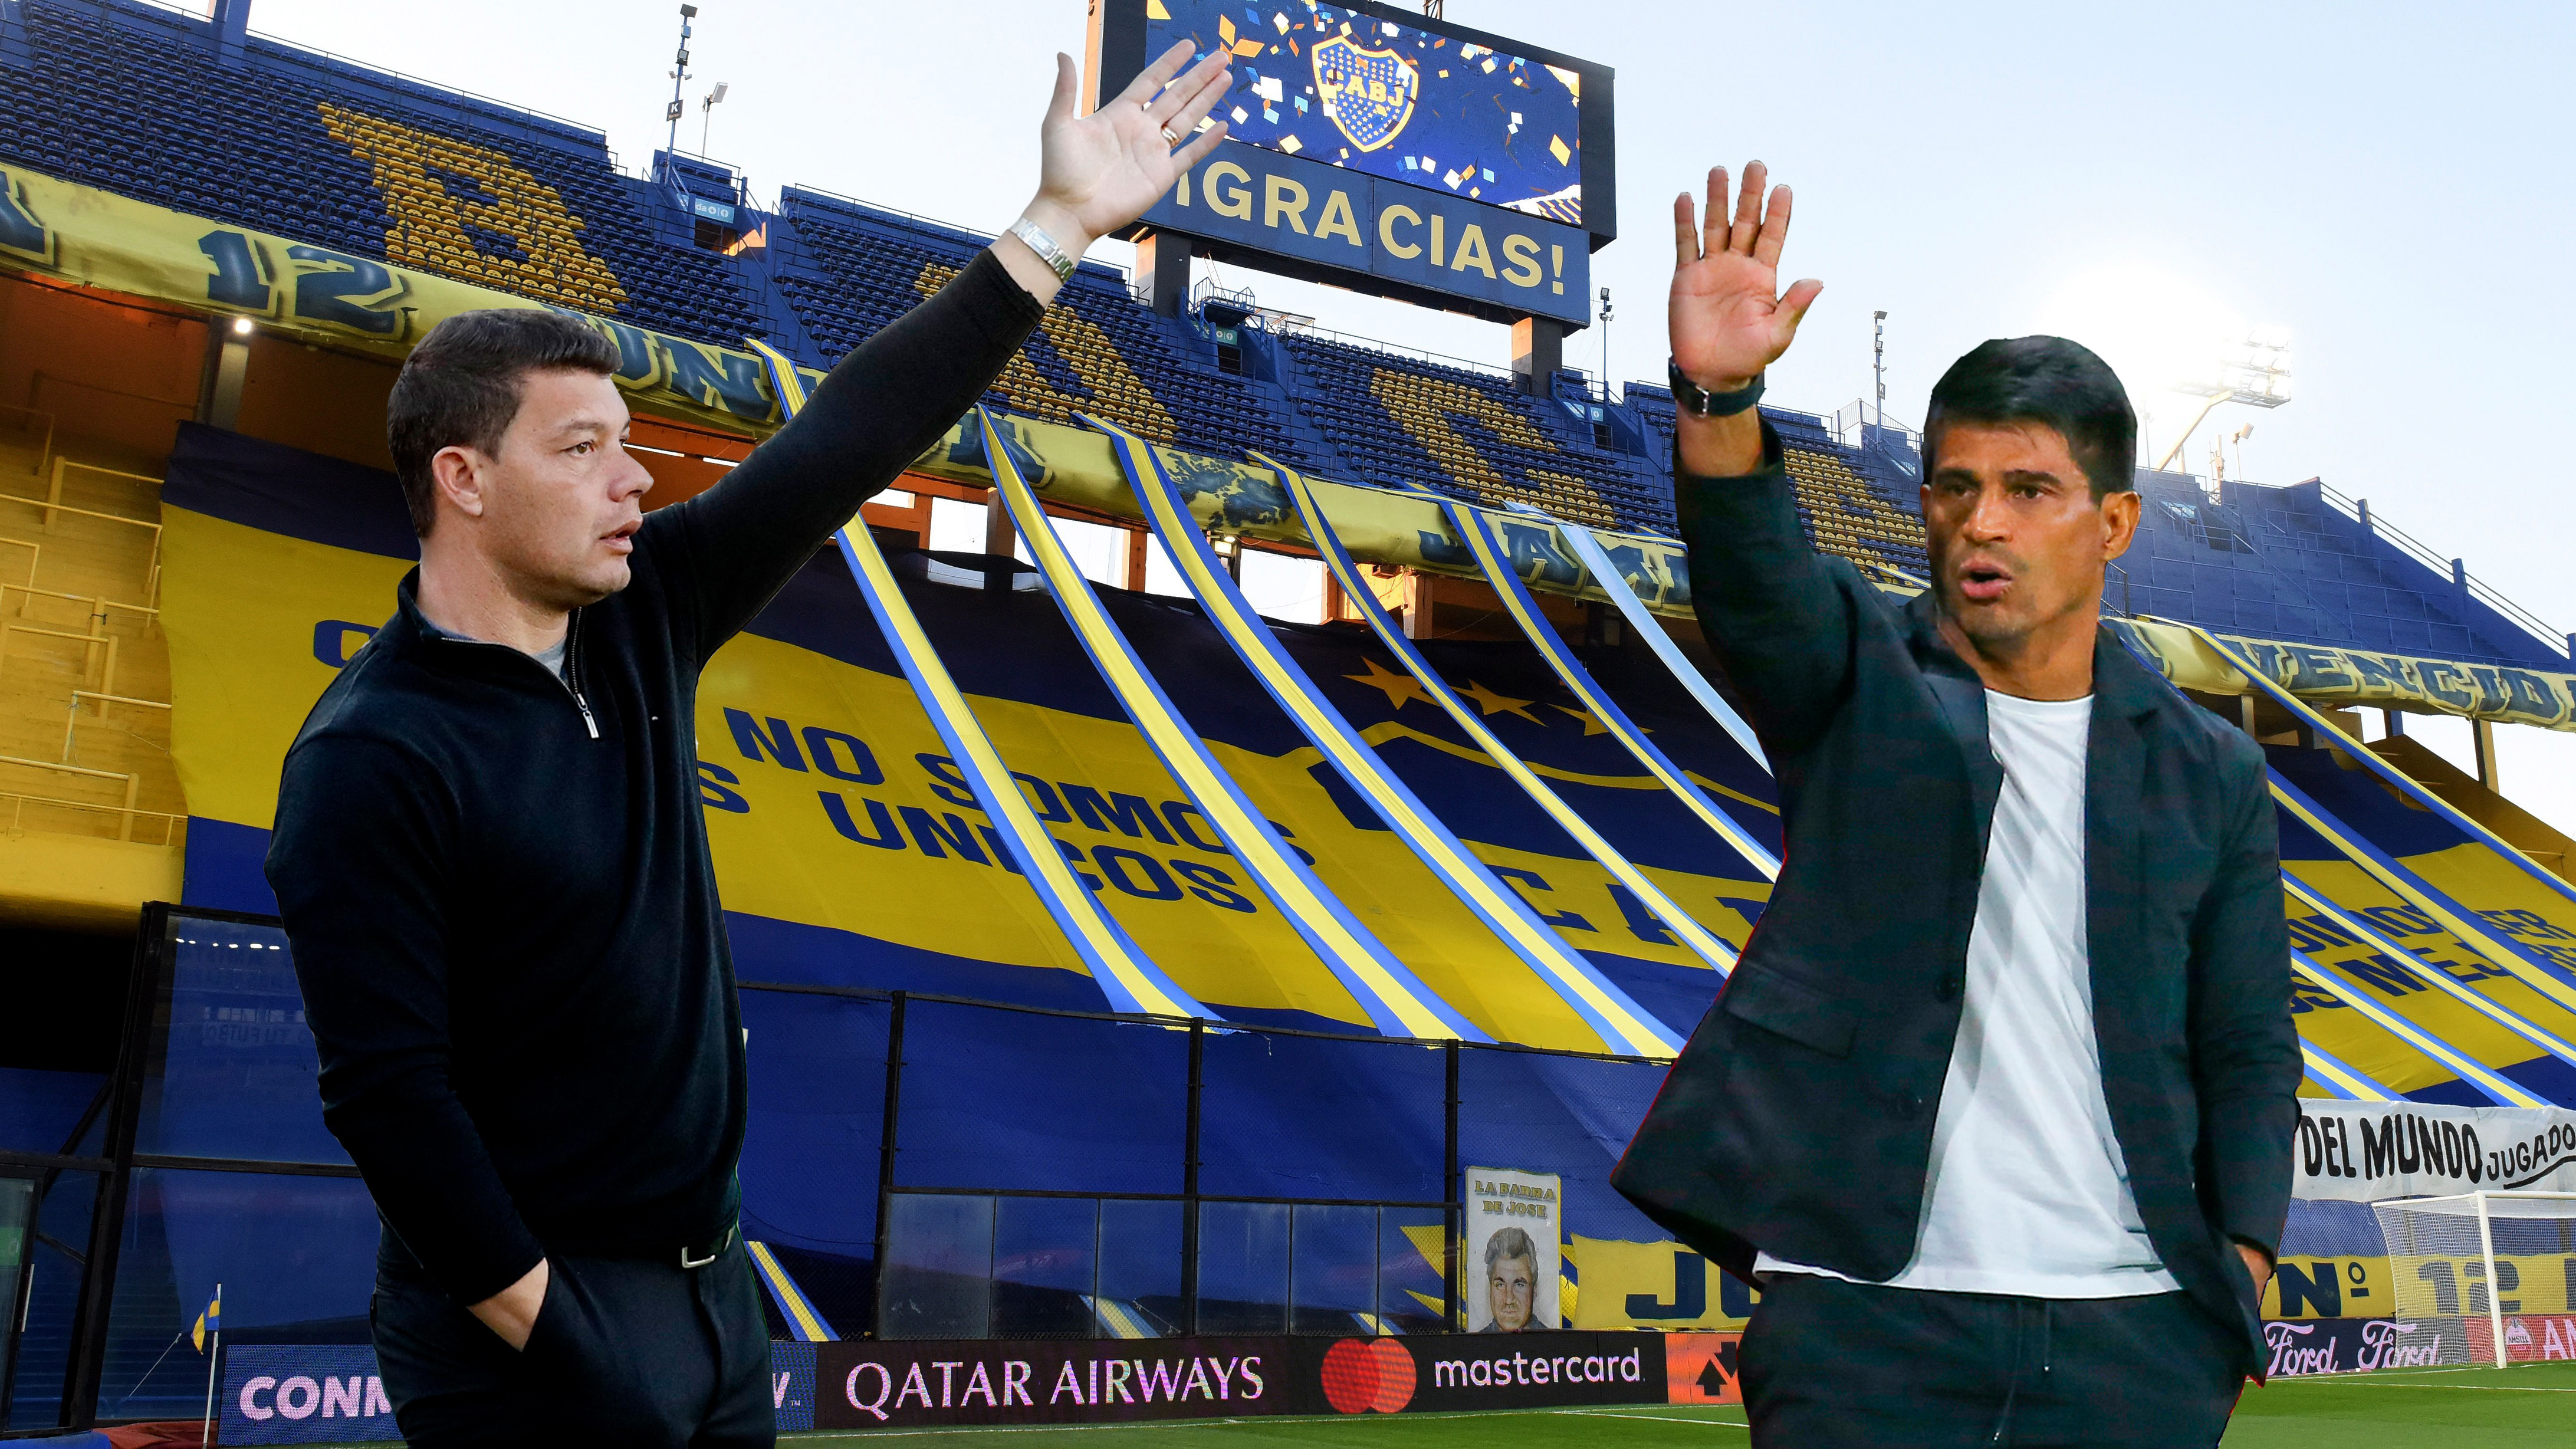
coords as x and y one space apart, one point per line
679 78
2255 372
1605 345
1878 363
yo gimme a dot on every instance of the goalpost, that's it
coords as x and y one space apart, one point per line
2490 1263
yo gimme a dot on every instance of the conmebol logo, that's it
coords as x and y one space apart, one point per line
312 1393
299 1396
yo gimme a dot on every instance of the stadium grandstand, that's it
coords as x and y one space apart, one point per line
217 248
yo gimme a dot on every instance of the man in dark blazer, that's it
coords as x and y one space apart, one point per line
1997 1107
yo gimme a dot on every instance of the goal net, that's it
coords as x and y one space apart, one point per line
2486 1277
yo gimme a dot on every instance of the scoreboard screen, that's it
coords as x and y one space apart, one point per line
1370 147
1400 100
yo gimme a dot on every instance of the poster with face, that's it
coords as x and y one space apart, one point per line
1507 1278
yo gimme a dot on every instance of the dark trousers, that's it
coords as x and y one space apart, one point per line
636 1354
1828 1364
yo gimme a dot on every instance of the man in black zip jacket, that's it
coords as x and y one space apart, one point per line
491 862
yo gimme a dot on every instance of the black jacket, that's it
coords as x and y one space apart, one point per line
1799 1119
496 884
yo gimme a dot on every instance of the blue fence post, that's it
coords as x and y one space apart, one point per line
886 1149
1190 1127
1453 1221
134 1057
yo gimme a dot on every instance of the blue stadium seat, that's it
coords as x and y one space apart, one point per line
1406 421
130 99
1850 503
848 270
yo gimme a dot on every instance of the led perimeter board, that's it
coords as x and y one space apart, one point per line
1373 149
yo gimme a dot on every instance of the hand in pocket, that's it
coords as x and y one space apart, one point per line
513 1312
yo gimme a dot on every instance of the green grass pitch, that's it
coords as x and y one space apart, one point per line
2518 1408
2531 1405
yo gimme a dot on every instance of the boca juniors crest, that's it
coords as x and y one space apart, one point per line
1368 93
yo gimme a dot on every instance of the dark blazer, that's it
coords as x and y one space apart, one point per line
1799 1118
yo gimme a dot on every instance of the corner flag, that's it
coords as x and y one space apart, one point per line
210 1321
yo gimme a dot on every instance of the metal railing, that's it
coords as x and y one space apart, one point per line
739 194
173 824
44 445
52 504
1207 289
127 813
95 685
2359 511
1848 419
1593 387
975 235
1378 344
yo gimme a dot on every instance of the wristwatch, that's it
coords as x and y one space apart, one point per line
1048 252
1698 401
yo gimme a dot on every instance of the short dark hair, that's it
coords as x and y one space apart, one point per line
2043 380
463 383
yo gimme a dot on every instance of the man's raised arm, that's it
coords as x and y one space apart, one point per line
1773 615
893 396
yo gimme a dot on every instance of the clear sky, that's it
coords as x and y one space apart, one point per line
2389 183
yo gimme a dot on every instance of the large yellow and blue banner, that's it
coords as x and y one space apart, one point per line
850 851
80 235
2336 678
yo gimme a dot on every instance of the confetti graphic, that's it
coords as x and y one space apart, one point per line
1384 98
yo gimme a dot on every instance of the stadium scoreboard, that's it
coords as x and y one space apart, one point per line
1375 149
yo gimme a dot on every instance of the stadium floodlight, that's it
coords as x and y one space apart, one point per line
2238 437
2255 372
707 112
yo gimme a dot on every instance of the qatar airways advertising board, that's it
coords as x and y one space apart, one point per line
333 1393
928 1383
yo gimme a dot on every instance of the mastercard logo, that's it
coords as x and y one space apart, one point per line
1361 1374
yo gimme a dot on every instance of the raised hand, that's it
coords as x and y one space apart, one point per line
1101 171
1727 321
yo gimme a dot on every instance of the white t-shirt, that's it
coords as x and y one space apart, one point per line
2027 1193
